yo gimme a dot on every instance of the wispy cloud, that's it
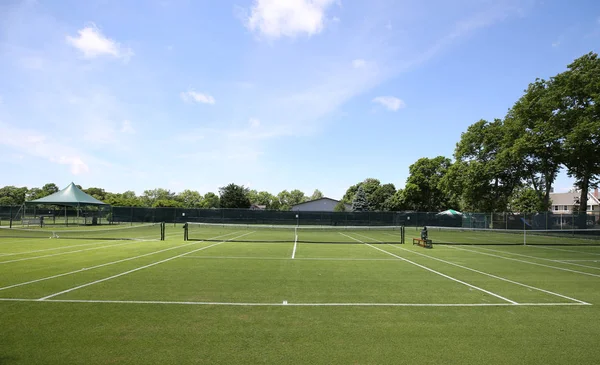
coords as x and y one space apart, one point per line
37 144
254 122
92 43
276 18
390 102
359 63
127 128
192 96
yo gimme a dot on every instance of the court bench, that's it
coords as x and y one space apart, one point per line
423 243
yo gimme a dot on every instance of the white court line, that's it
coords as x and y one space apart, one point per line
539 258
69 252
434 271
587 260
295 245
137 269
525 262
288 304
565 250
285 258
490 275
57 248
106 264
87 249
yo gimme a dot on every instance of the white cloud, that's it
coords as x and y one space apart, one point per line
78 167
35 144
390 102
254 122
359 63
277 18
190 96
92 43
126 127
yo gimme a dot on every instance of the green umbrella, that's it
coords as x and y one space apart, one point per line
451 212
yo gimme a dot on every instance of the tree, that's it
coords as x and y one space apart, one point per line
376 193
283 198
11 195
395 202
578 112
536 138
484 174
360 203
526 200
317 194
423 190
211 200
234 196
267 199
189 199
380 196
150 197
340 207
296 197
49 189
96 193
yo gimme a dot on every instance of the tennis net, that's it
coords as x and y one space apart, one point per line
153 231
282 233
482 236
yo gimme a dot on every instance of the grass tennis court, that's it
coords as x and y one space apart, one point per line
270 300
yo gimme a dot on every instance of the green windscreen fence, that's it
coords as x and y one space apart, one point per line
302 234
151 231
483 236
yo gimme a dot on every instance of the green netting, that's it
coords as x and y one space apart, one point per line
283 233
153 231
480 236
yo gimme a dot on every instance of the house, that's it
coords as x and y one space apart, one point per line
562 203
258 207
319 205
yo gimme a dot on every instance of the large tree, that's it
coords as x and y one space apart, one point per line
210 200
536 138
234 196
376 193
484 174
578 97
423 190
12 195
190 199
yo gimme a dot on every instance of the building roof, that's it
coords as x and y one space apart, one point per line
71 195
316 200
571 198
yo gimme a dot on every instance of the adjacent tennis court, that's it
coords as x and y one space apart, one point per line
262 294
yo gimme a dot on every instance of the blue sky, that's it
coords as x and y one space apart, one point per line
272 94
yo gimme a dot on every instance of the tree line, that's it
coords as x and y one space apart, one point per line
504 165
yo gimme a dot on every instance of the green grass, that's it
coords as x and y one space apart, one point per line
176 302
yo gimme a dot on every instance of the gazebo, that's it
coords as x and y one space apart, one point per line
69 197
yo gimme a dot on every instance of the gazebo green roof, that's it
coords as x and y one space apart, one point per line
71 195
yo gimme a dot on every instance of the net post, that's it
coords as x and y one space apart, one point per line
186 231
162 231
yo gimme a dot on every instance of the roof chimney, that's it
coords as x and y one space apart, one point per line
596 192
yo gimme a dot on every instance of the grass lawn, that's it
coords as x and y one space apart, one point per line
68 301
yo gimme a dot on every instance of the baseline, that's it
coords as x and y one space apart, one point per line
288 304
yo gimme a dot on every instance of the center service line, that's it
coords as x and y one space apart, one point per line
433 271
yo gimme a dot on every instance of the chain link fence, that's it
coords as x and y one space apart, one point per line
120 215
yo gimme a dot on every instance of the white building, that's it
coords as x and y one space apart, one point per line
319 205
562 203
